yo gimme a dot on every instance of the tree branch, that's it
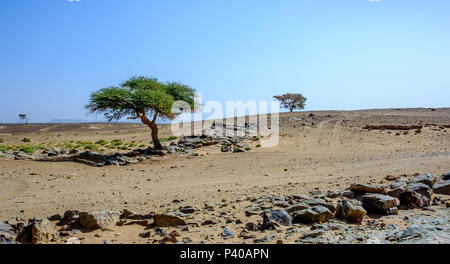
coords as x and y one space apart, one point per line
155 117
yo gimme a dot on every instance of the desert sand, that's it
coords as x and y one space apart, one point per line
330 151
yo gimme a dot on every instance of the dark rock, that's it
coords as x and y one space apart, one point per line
443 185
297 207
71 217
227 233
315 214
427 179
188 209
378 203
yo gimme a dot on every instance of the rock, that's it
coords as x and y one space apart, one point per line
315 202
443 185
416 195
397 188
251 227
52 151
73 240
378 203
188 209
145 234
333 194
55 217
70 217
316 214
366 188
165 220
413 199
227 233
38 231
7 231
427 179
350 210
297 207
99 219
282 217
209 206
348 194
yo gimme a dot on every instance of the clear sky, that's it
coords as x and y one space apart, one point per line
349 54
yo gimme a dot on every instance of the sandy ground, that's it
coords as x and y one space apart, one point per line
330 154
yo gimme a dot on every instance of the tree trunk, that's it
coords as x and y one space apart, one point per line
154 128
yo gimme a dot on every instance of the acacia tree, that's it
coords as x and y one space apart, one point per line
291 101
140 97
24 118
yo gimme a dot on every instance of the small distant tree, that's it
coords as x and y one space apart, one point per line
291 101
140 97
24 118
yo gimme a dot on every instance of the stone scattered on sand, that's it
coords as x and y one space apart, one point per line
165 220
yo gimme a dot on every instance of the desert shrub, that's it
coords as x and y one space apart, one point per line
116 142
2 140
27 149
132 145
124 147
4 148
101 142
91 147
142 146
237 149
258 146
26 140
247 148
110 146
166 139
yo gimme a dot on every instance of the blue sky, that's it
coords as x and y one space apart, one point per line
352 54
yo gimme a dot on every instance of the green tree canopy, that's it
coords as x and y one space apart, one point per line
291 101
139 97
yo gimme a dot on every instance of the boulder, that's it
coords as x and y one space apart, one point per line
316 214
378 203
165 220
99 219
38 231
7 231
281 217
350 210
443 185
427 179
70 217
366 188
